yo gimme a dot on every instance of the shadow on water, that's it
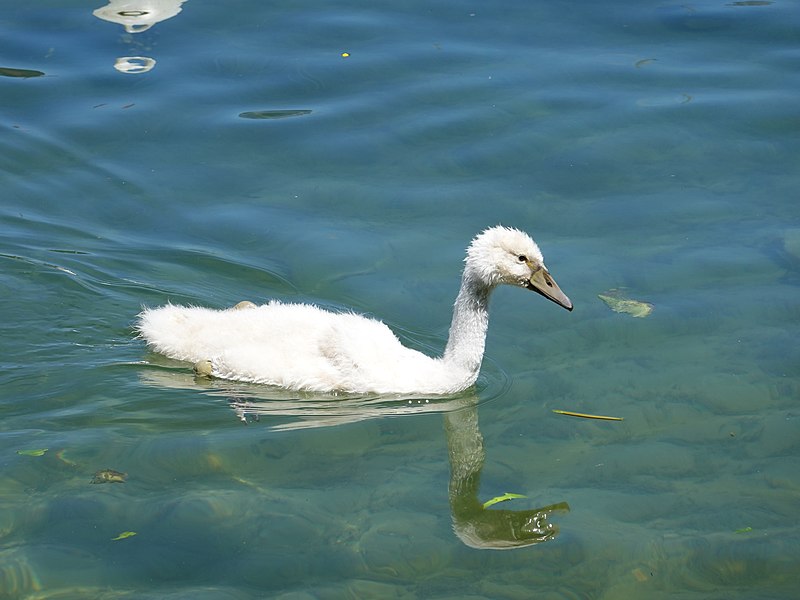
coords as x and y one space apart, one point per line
475 524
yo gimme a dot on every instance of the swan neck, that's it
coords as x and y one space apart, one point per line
468 329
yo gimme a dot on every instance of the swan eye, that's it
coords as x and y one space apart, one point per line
522 258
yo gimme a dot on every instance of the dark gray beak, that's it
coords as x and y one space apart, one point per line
544 284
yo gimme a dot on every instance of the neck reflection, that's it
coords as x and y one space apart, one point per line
475 525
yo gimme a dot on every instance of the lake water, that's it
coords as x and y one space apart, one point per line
345 155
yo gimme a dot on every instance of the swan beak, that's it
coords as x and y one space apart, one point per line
542 283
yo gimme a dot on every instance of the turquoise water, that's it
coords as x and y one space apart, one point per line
648 146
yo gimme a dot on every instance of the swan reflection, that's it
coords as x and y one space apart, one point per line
473 523
137 16
304 410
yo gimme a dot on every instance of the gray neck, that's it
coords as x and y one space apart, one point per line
468 329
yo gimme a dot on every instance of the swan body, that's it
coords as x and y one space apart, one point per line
304 347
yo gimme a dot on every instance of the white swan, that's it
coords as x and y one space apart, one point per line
303 347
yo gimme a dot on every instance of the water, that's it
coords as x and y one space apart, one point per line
647 146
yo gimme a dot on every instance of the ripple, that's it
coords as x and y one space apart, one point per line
274 114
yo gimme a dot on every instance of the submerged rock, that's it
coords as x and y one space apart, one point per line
109 476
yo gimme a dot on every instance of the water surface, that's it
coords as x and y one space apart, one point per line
650 147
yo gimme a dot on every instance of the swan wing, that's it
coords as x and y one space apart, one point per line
296 346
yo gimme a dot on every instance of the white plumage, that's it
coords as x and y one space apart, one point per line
303 347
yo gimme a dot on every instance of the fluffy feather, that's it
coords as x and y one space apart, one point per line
304 347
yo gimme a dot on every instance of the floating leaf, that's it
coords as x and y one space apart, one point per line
569 413
25 73
273 114
123 535
503 498
36 452
616 301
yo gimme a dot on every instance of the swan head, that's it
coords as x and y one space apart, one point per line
503 255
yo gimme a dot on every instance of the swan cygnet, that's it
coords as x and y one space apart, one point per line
304 347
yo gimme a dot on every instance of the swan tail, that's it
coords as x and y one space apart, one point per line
175 331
